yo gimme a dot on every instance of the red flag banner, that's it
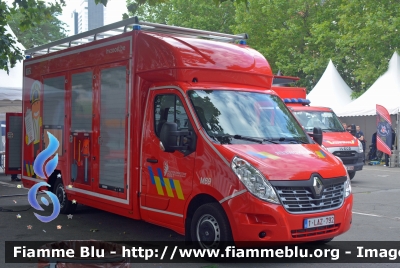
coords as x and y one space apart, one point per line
384 130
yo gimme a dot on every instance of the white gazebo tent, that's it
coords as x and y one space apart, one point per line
386 92
331 90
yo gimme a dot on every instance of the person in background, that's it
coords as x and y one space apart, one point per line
349 129
386 155
372 148
344 126
360 137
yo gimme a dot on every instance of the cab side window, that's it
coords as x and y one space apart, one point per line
169 108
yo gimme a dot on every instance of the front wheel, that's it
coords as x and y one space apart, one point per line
66 206
352 174
210 227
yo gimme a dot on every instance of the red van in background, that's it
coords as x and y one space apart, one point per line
337 140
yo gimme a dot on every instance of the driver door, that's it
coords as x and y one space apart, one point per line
166 177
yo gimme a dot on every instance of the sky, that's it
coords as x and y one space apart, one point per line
115 9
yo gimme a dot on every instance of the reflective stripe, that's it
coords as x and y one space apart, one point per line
178 189
168 187
162 211
28 170
232 196
158 185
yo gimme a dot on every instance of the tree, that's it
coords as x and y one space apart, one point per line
45 31
283 31
157 13
299 37
34 11
198 14
369 37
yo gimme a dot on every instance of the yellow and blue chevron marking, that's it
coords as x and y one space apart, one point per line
168 184
320 154
263 155
29 168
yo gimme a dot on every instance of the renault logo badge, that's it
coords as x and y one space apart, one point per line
318 187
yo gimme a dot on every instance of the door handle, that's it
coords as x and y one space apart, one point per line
151 160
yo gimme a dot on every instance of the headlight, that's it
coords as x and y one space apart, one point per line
347 187
254 180
360 147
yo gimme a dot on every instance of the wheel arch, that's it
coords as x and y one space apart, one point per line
194 204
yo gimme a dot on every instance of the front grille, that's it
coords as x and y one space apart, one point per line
302 200
315 231
348 157
349 161
345 153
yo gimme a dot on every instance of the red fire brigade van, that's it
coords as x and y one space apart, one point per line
173 126
337 140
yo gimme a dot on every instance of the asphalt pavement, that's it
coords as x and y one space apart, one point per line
376 217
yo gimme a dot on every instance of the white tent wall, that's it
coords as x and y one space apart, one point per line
331 90
385 91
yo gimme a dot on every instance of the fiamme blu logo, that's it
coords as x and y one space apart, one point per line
43 171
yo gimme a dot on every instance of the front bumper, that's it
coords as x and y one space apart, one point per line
358 163
249 217
351 158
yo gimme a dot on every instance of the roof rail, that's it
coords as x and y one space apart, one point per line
122 27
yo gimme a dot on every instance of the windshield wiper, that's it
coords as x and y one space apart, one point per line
331 129
246 138
292 140
271 141
223 138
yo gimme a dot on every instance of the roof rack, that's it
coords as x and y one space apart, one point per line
284 80
122 27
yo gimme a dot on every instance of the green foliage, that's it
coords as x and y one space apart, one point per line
47 30
198 14
283 31
299 37
370 36
9 54
31 12
135 6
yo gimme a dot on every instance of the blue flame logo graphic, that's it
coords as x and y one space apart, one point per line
34 203
46 154
38 167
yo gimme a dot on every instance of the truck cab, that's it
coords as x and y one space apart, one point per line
337 140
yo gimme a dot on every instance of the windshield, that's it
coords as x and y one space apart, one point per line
327 121
242 117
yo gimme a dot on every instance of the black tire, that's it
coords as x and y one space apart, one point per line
210 227
66 206
352 174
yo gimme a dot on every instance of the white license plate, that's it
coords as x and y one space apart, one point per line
350 167
317 222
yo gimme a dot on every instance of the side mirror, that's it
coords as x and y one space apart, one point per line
317 135
172 139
